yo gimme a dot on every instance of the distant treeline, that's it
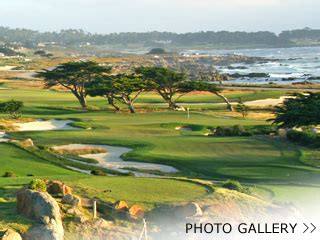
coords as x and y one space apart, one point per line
31 38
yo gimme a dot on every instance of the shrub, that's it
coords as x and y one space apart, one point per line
11 107
157 51
38 185
79 151
236 130
9 174
98 173
241 131
236 186
264 130
306 138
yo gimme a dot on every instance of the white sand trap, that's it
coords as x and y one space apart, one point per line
267 102
7 68
3 137
40 125
112 159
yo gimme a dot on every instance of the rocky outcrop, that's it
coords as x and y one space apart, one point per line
136 211
121 206
188 210
250 75
42 208
37 205
72 200
52 230
10 235
58 188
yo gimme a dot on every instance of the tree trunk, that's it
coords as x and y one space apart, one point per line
83 101
230 107
173 105
112 103
131 108
81 98
127 100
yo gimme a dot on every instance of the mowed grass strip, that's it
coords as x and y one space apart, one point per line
145 191
15 159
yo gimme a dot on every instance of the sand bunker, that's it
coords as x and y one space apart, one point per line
267 102
3 137
40 125
112 159
7 68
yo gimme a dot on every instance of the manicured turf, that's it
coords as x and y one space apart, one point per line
14 159
148 192
246 159
43 97
153 138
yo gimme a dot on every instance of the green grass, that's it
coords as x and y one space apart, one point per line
264 161
48 98
304 197
14 159
148 192
154 139
311 157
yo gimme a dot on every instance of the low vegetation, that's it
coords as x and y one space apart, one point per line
38 185
236 186
78 151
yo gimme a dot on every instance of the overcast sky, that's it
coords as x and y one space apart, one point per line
105 16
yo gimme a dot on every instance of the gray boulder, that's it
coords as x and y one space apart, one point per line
188 210
53 230
71 200
44 209
37 205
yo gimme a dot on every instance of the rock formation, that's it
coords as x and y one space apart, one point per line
42 208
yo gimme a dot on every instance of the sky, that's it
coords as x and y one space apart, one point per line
107 16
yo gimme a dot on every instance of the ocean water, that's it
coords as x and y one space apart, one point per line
290 65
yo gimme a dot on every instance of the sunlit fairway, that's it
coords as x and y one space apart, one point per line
14 159
260 161
43 97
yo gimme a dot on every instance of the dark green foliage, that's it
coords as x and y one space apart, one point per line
242 108
9 174
157 51
124 88
236 130
11 107
236 186
75 37
305 138
74 76
10 52
166 82
242 131
40 52
300 111
38 185
98 173
43 53
205 86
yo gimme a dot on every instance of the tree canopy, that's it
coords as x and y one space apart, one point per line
166 82
12 107
74 76
124 88
302 110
